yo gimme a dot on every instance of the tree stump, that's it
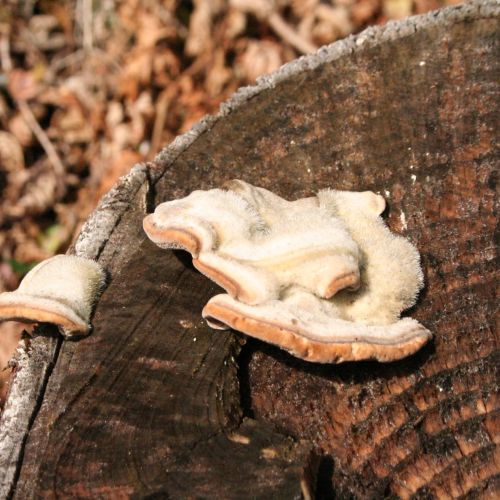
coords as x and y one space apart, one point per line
154 404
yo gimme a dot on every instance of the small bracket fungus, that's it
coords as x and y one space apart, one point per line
59 290
322 277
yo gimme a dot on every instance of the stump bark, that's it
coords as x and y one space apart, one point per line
154 404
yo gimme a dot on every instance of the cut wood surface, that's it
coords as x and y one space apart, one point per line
154 404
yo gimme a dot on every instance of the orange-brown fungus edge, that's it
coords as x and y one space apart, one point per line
307 349
23 313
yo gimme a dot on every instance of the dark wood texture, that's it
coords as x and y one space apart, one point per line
154 404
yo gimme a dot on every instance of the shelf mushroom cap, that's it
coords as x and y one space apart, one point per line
322 277
60 290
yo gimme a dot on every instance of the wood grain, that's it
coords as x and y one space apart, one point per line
155 404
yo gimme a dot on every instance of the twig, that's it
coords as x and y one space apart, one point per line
289 35
44 141
5 59
265 11
88 41
161 114
199 64
68 60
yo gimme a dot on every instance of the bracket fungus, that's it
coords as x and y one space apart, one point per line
321 277
60 290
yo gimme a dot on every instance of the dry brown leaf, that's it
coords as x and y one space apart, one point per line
218 75
306 25
166 67
11 153
422 6
397 9
259 8
8 279
42 33
137 72
152 29
200 26
5 110
333 23
302 8
37 193
364 10
71 126
23 85
114 114
20 129
63 14
23 238
259 58
235 23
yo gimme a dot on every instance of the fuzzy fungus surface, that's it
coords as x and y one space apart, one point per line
321 277
61 290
